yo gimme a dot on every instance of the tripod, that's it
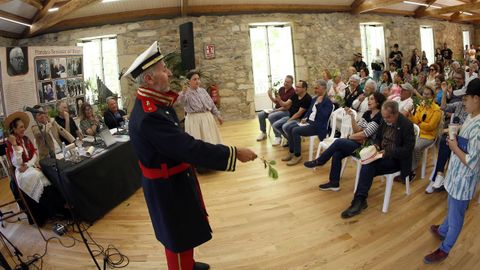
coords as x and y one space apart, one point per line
64 194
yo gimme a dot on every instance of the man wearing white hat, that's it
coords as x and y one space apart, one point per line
166 155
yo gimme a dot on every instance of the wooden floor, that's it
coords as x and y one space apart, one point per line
289 223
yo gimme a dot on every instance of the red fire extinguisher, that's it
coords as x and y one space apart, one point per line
214 94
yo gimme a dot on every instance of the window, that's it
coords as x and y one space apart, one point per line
372 38
426 40
100 60
466 39
272 59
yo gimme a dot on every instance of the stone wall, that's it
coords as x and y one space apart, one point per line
321 40
7 42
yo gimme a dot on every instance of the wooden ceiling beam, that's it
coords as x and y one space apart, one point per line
44 11
421 10
9 34
263 8
450 9
34 3
14 17
184 7
47 21
370 5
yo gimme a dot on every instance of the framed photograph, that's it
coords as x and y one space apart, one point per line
58 67
43 69
79 101
74 66
61 89
48 92
17 61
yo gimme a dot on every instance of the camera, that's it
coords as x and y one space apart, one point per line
59 229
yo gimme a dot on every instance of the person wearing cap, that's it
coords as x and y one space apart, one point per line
43 199
395 140
462 176
455 111
396 56
358 63
47 134
405 101
427 116
166 155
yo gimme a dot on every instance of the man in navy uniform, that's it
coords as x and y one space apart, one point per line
166 155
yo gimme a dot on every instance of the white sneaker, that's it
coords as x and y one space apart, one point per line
430 189
261 137
277 141
439 181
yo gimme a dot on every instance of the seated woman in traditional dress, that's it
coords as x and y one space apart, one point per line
42 198
341 148
200 111
89 123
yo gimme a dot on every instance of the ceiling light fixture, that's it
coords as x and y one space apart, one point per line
17 22
466 13
53 9
108 1
420 4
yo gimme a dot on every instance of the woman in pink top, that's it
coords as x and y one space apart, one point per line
395 90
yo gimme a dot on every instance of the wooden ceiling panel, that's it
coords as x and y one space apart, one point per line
19 8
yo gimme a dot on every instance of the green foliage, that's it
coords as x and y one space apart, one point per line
418 101
415 82
272 172
52 113
340 101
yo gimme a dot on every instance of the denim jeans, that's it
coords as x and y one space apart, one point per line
369 171
295 133
272 118
339 149
376 75
443 157
453 223
287 126
277 119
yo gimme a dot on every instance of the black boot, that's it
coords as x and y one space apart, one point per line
358 204
201 266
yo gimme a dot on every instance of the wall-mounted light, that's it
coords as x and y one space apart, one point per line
53 9
17 22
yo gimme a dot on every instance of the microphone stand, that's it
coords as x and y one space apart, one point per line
17 253
51 153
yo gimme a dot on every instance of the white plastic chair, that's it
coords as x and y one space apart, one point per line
389 179
312 138
345 128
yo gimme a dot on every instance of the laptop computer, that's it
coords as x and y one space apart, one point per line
107 137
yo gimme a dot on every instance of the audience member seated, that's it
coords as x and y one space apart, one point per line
438 89
361 103
51 132
285 93
363 131
315 122
113 116
42 198
457 113
471 72
462 176
364 77
297 106
64 120
327 76
407 76
352 91
405 101
432 75
395 139
427 116
395 90
89 123
337 91
385 83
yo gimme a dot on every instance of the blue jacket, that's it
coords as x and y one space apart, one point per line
165 154
324 109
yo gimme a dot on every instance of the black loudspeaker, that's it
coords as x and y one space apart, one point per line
186 46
